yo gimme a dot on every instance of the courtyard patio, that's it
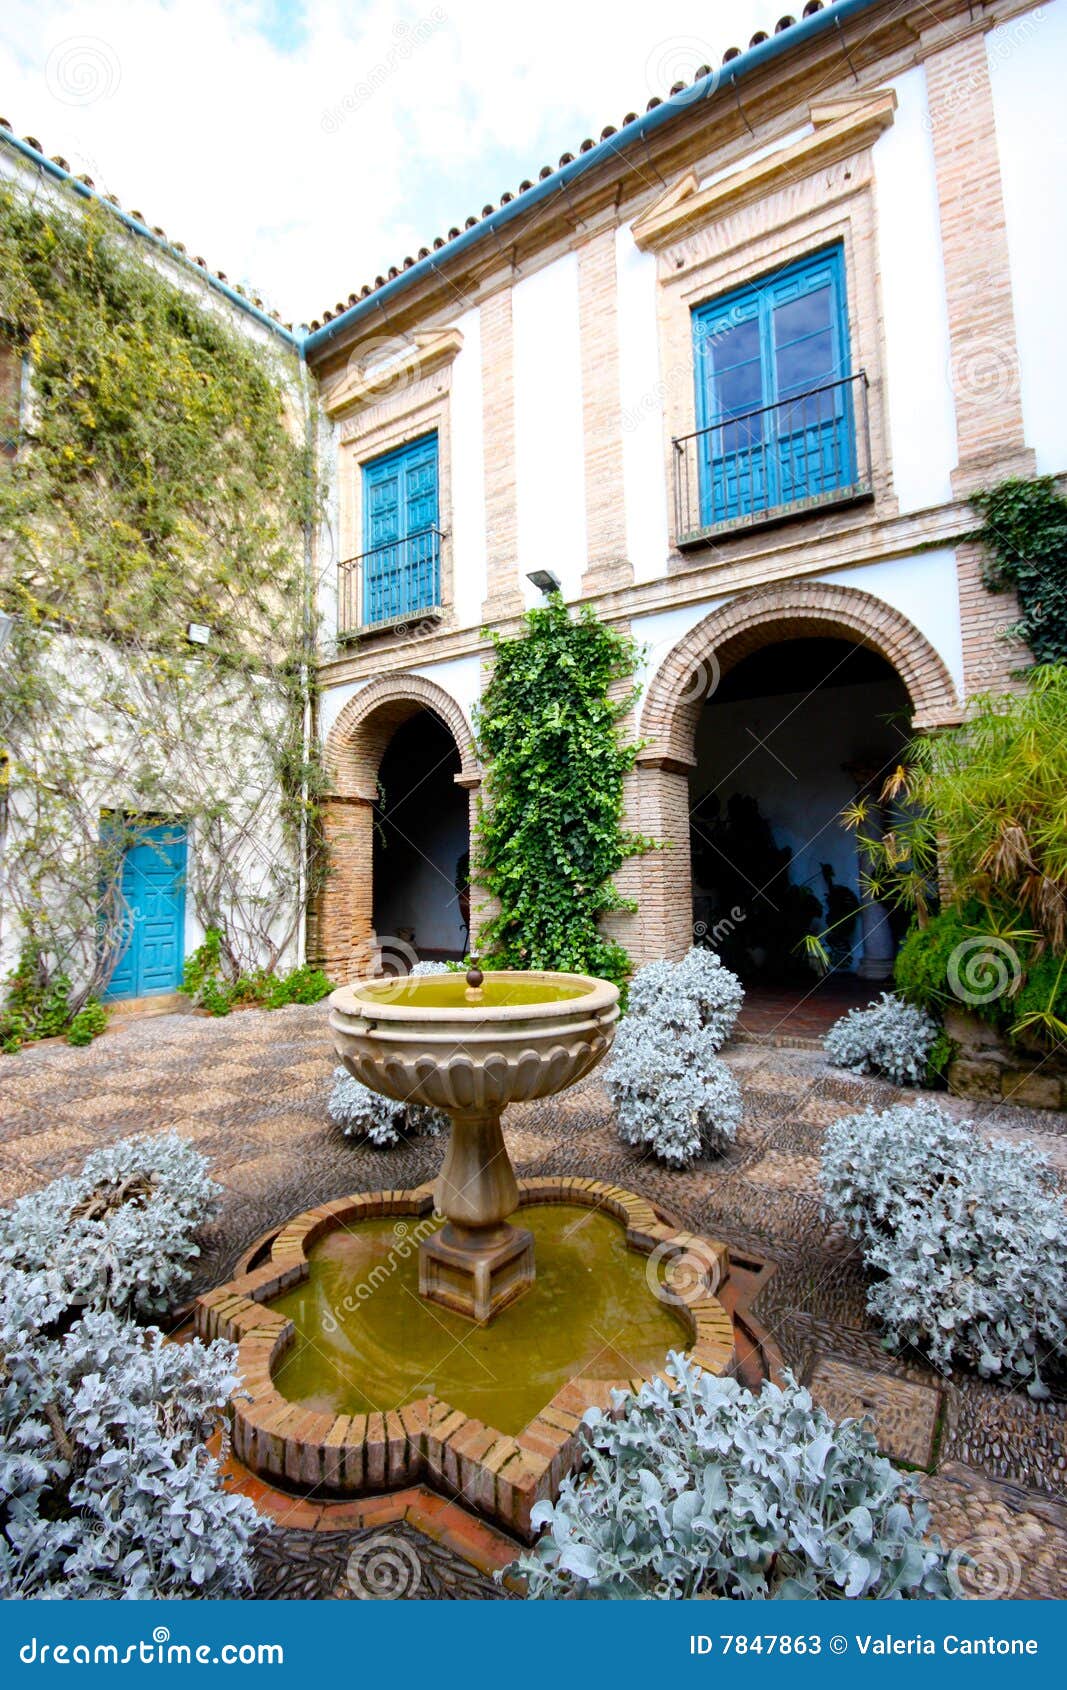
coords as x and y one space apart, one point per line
250 1092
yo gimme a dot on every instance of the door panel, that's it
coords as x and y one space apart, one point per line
153 893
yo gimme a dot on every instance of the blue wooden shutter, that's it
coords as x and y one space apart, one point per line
401 567
767 358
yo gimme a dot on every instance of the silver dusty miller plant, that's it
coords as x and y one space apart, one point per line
122 1233
971 1238
382 1121
703 1489
890 1038
671 1093
697 993
106 1487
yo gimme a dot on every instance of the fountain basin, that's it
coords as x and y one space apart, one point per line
427 1439
471 1049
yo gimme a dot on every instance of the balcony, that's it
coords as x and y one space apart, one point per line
807 452
392 584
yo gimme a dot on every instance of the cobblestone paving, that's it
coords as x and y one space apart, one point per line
250 1092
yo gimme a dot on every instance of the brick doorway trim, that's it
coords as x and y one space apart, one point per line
677 693
341 927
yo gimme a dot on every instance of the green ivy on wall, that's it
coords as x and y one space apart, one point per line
163 477
1025 533
550 832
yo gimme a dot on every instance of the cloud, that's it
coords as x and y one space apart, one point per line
303 148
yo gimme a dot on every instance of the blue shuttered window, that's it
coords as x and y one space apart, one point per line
774 399
401 543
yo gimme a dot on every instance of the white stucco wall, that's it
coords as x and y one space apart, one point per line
659 633
549 439
1027 65
641 392
923 588
460 677
468 475
922 423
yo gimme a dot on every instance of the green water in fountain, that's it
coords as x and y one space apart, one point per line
366 1341
450 991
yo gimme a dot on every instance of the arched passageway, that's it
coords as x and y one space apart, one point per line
397 825
810 669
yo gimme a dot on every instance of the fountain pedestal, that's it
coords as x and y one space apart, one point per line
477 1263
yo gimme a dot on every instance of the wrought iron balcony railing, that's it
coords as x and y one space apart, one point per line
399 581
810 450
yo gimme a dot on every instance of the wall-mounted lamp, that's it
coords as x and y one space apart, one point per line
197 634
7 624
544 581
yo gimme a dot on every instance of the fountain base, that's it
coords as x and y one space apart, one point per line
476 1272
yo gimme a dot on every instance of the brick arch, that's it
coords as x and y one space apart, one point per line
767 616
358 739
341 926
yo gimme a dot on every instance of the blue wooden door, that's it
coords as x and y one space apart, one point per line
153 913
400 533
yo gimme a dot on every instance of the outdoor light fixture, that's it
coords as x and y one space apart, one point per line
7 623
544 580
197 634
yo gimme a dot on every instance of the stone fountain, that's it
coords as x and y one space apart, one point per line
470 1048
361 1376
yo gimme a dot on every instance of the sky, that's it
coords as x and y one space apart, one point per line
302 148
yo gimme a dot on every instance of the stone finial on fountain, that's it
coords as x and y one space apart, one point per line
475 980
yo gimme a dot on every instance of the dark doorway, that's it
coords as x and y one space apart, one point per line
421 843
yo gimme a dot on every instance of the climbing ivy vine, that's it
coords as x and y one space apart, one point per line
550 829
1025 534
162 479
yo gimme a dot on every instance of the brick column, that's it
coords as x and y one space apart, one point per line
985 357
503 597
990 661
605 515
665 927
342 927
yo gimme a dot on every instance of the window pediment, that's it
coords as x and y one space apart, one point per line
388 367
839 128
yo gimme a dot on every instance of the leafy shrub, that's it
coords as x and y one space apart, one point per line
106 1488
889 1038
37 1006
362 1113
121 1234
204 980
696 993
971 1237
671 1093
920 972
1025 530
88 1024
704 1489
551 832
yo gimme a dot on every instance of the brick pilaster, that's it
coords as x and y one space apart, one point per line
503 596
605 514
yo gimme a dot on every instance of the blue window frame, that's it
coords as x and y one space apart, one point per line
401 542
774 392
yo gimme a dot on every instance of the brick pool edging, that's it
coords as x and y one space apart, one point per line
499 1476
